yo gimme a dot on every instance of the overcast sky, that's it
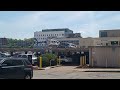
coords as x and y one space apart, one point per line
23 24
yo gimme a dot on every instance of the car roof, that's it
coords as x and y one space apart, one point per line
13 58
25 54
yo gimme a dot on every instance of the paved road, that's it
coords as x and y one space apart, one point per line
69 72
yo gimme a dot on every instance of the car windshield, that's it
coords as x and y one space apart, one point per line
1 61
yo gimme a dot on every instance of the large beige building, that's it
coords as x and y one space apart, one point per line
103 41
86 42
109 33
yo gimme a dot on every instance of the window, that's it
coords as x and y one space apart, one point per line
17 62
27 62
8 62
19 56
106 44
114 42
24 56
62 34
103 34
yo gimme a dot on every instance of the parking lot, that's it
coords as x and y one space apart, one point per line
70 72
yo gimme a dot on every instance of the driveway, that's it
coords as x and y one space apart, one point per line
70 72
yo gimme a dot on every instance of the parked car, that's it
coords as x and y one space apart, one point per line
2 55
15 68
34 58
66 60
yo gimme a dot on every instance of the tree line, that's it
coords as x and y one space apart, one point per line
26 43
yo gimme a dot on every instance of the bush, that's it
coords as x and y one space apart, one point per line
46 59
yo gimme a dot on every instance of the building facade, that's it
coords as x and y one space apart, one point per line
3 42
103 41
43 35
109 33
104 56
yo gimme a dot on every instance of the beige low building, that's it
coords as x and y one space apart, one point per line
104 56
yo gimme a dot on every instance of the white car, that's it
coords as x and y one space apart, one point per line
34 58
66 59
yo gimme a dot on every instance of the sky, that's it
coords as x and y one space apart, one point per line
23 24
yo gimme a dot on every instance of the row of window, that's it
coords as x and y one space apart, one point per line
54 42
50 35
42 38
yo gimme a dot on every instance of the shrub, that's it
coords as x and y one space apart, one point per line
46 59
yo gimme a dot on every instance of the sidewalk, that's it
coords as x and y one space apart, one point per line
99 69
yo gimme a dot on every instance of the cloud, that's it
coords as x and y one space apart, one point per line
18 27
87 22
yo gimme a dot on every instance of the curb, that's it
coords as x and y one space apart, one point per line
37 68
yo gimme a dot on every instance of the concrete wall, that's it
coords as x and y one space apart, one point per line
103 56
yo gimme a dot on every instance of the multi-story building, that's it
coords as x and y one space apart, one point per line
109 33
3 42
42 36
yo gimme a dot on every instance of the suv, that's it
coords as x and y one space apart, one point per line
13 68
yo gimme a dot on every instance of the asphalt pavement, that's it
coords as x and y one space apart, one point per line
71 72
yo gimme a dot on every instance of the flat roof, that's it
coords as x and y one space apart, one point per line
111 30
58 29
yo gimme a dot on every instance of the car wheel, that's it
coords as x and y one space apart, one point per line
27 77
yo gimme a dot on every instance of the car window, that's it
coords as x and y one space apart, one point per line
17 62
27 62
8 62
1 60
24 56
19 56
